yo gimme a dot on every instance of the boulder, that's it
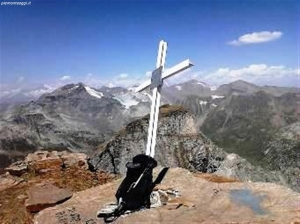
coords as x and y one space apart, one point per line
17 168
200 201
43 161
75 159
46 165
45 195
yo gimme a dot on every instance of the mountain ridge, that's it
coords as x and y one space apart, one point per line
25 95
243 121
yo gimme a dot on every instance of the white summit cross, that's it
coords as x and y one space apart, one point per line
156 82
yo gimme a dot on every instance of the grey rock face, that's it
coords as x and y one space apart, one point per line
73 117
178 145
174 123
241 87
239 168
244 124
282 154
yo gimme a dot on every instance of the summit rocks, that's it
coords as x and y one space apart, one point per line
203 200
44 161
42 180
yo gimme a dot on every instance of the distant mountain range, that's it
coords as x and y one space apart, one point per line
22 95
75 117
240 117
193 86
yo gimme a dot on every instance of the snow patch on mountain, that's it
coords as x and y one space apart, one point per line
75 87
203 102
93 92
213 88
205 85
178 87
217 97
127 100
202 84
111 85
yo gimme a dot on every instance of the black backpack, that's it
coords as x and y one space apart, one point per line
134 191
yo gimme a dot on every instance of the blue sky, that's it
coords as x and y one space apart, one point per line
102 42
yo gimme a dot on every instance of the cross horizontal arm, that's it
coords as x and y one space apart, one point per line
168 73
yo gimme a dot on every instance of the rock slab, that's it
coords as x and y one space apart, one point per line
44 195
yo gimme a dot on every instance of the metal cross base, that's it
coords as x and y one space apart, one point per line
156 82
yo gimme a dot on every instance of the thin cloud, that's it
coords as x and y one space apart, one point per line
45 89
123 76
65 77
256 38
123 80
255 73
129 80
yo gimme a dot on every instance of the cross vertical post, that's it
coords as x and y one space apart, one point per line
156 82
152 129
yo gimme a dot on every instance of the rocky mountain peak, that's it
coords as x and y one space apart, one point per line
167 114
238 87
178 143
76 90
241 82
194 82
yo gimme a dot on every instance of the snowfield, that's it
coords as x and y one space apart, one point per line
93 92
